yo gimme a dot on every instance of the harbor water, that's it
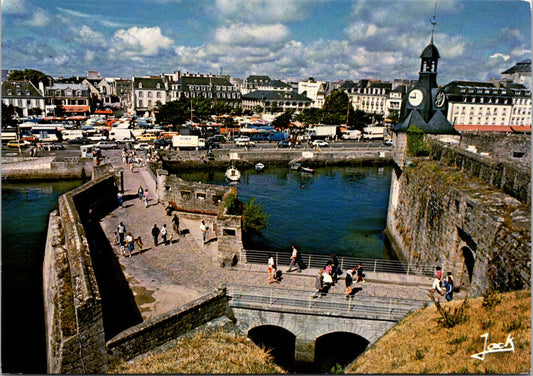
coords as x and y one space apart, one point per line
338 210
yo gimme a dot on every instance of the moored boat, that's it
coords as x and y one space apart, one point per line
232 174
296 166
259 166
307 169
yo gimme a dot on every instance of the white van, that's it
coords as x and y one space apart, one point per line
71 134
120 134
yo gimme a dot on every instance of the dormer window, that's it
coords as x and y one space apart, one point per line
140 85
158 85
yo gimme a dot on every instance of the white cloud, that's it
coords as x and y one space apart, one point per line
14 6
245 35
39 19
500 56
140 41
89 36
262 10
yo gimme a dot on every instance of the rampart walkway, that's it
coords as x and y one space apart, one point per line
166 277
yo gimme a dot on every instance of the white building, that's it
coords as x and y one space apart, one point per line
23 95
314 90
147 92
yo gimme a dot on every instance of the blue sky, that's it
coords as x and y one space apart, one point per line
284 39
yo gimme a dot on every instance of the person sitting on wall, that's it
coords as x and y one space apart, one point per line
169 208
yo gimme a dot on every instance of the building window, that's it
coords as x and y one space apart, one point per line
141 94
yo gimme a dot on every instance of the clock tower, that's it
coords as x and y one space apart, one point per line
425 105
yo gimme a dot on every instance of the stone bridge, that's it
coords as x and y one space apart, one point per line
307 333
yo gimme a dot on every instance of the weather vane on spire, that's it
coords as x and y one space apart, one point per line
433 21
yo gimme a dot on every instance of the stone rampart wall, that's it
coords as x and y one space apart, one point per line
73 305
190 196
499 145
47 169
161 329
514 179
442 216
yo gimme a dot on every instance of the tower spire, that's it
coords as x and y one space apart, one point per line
433 21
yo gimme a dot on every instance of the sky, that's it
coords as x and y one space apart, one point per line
328 40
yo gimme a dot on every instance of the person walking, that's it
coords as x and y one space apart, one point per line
121 232
272 270
140 192
348 282
164 234
203 230
318 284
155 234
360 274
130 246
139 242
294 260
146 197
176 225
448 287
120 198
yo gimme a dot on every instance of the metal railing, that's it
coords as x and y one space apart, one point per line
345 262
330 304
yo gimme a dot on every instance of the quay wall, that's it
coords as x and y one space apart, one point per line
466 213
46 169
161 329
186 160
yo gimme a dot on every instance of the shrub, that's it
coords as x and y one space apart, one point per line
449 319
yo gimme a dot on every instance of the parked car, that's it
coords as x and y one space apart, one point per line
218 138
51 147
142 146
284 144
162 142
79 140
320 143
387 141
17 143
106 145
244 141
147 137
211 144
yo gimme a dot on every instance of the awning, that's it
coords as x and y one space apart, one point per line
76 108
103 112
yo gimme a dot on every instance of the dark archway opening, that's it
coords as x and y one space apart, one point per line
338 348
468 266
279 341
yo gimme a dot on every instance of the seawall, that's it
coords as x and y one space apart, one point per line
46 168
220 159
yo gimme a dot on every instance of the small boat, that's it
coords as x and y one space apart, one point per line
259 166
307 169
296 166
232 174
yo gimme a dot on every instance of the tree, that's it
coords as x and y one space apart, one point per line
336 108
7 115
32 75
283 120
175 112
254 219
311 115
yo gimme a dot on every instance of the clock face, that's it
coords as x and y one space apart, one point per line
416 97
439 99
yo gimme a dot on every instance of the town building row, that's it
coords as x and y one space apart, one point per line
506 101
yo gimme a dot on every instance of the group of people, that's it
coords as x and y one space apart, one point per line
143 195
443 285
127 241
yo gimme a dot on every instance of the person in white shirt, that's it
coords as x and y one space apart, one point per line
294 260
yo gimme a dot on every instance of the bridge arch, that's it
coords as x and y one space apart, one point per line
280 341
337 348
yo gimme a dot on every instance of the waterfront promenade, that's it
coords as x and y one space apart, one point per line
165 277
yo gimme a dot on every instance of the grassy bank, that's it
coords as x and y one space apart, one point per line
421 343
214 353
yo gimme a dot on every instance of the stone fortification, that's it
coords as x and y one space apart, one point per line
204 201
44 168
159 330
509 174
465 212
73 305
501 146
